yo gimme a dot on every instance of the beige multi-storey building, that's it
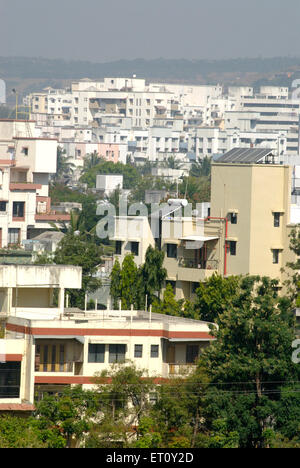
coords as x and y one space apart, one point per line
245 232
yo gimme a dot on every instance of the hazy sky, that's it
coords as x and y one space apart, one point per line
99 30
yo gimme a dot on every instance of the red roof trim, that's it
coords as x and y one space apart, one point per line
107 332
11 357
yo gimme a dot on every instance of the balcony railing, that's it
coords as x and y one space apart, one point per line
181 369
66 367
199 265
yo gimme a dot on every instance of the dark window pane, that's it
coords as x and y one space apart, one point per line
171 250
96 353
117 353
232 247
275 256
154 351
18 209
192 353
135 248
10 375
138 351
233 218
61 358
45 358
276 219
118 247
53 358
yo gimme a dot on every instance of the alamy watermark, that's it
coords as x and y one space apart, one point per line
296 353
2 92
2 351
136 221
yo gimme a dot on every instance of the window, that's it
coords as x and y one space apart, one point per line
118 247
154 353
233 218
192 353
13 236
276 219
25 151
138 350
275 256
171 250
194 287
96 352
232 247
10 375
135 248
18 209
50 358
3 205
117 353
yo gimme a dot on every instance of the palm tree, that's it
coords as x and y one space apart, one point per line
201 167
91 160
75 225
65 168
173 163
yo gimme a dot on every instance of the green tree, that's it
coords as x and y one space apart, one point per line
130 173
169 305
18 432
250 361
64 168
179 409
214 296
153 273
91 160
80 250
128 282
201 167
115 284
63 420
123 393
195 189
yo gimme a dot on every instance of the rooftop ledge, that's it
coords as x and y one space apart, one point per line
53 217
24 186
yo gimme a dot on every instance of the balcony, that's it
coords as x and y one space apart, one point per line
190 270
7 162
22 186
181 369
52 216
185 262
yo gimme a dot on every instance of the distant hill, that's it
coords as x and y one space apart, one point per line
28 74
11 67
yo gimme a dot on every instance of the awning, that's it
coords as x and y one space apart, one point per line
60 337
198 238
182 340
172 241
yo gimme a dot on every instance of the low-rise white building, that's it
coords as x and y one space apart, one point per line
47 347
26 162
